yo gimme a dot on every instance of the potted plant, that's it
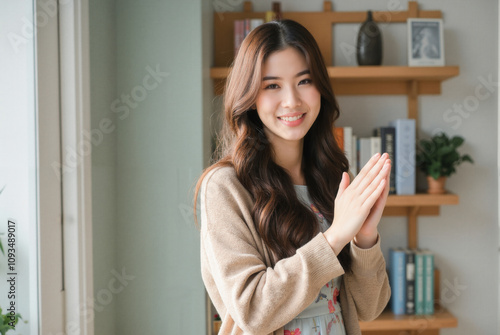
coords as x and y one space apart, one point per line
438 159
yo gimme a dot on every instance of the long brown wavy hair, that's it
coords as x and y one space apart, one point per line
283 222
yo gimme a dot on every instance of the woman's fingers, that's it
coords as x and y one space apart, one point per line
372 198
344 182
371 163
374 185
370 171
373 173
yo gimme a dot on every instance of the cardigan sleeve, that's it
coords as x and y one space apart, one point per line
259 298
367 284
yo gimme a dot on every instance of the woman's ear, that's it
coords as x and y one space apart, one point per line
254 107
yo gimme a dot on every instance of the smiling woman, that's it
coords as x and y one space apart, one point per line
274 257
288 103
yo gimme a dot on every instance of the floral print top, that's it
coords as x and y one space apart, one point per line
323 315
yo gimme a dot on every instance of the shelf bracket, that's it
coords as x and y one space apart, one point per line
412 227
413 99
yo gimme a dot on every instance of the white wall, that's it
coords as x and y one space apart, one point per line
464 237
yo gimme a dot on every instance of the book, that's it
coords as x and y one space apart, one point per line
387 138
375 145
364 151
419 282
428 282
410 282
397 279
405 156
239 34
254 23
348 147
338 133
354 163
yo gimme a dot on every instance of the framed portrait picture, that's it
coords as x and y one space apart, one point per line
425 42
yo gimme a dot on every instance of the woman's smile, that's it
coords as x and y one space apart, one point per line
292 120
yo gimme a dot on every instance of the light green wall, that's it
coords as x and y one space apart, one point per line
103 92
143 170
159 155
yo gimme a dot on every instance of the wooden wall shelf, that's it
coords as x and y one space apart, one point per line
422 199
421 204
354 80
388 321
364 80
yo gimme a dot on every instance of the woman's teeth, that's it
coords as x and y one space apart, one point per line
290 119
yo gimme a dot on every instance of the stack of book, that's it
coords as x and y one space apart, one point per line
411 276
242 28
398 140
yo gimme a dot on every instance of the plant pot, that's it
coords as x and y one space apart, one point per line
436 186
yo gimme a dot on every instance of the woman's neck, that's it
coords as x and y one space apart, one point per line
288 155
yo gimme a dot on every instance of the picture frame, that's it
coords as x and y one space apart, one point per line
425 42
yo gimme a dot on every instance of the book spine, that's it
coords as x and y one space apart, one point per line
354 166
397 278
387 135
254 23
238 34
247 27
348 145
338 132
429 283
365 152
410 282
405 156
419 283
358 155
376 145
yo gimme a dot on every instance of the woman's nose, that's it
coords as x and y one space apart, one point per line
291 98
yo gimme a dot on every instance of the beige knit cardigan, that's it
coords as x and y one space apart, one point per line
256 295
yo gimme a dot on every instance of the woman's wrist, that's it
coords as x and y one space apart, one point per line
366 241
334 242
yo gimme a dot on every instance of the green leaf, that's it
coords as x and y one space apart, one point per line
457 141
467 158
444 150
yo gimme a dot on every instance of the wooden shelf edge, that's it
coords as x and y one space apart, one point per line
388 321
390 73
422 200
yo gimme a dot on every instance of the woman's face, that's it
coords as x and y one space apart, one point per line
288 102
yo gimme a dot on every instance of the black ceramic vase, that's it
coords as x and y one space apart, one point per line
369 46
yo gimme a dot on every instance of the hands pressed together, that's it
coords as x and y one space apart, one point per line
359 205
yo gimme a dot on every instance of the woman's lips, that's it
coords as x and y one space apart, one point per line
292 121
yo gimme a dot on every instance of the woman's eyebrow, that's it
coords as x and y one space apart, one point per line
301 73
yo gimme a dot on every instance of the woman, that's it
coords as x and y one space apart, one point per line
288 244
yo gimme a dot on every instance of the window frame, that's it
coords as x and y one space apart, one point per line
62 88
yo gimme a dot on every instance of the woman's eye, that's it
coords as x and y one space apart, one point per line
305 81
271 86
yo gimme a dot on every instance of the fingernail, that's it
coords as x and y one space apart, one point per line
376 155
